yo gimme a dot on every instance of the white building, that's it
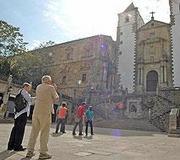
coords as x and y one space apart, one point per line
175 35
128 23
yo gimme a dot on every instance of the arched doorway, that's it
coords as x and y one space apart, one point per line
151 81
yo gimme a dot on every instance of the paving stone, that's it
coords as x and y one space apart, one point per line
129 145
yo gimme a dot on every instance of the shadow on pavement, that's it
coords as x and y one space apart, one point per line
89 137
125 133
56 134
6 154
25 158
78 137
117 132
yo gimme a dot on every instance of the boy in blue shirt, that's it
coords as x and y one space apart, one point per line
89 119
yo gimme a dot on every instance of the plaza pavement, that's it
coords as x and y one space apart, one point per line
106 144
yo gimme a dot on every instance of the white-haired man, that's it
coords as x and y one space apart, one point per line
46 96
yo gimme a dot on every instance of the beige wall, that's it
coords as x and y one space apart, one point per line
69 61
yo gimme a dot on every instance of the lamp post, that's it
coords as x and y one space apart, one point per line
79 82
90 94
6 96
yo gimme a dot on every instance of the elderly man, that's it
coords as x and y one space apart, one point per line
46 96
20 119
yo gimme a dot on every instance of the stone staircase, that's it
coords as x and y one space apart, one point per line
127 124
106 117
160 109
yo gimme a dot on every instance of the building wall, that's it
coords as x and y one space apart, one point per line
153 54
175 35
128 22
85 59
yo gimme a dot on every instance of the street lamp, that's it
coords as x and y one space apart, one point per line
75 92
90 93
79 82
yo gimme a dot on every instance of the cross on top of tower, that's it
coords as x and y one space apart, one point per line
152 17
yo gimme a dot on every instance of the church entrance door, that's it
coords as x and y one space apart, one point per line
151 81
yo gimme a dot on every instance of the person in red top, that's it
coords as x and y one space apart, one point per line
79 115
61 117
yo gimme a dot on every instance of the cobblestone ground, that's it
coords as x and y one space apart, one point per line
106 144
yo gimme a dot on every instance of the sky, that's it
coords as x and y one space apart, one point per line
66 20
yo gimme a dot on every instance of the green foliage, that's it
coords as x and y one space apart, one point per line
30 68
45 44
11 44
4 68
23 66
11 40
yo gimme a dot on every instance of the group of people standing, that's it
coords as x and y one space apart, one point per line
46 96
83 114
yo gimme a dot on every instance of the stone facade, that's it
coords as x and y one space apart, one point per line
128 23
80 66
175 37
153 59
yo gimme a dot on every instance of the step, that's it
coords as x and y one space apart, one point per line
129 124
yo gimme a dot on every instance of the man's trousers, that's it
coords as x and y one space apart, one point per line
40 124
17 133
62 122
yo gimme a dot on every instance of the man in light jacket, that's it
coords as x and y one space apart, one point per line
46 96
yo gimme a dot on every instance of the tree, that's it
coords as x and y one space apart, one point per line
14 60
11 44
11 40
45 44
29 68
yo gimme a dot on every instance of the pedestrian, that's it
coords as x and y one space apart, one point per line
89 119
20 119
79 116
61 114
46 96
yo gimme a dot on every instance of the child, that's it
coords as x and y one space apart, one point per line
89 119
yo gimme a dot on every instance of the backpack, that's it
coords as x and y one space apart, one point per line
20 102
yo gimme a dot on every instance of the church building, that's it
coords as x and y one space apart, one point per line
153 59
